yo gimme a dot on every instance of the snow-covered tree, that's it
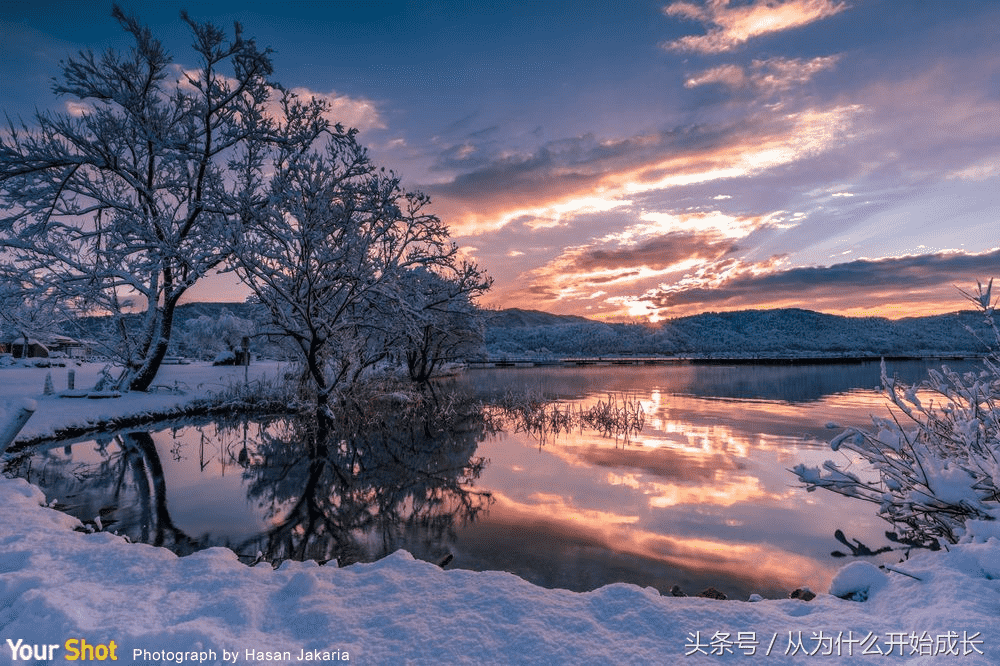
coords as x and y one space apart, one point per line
440 323
222 333
121 204
25 314
333 259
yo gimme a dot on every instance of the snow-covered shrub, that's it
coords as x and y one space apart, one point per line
225 358
937 460
621 417
263 395
858 581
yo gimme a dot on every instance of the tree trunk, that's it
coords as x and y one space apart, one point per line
142 378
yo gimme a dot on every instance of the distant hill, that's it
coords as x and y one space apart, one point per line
514 332
516 317
744 332
194 310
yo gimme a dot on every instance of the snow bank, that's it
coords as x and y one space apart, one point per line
176 387
59 585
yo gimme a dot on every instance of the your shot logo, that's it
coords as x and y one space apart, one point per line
74 649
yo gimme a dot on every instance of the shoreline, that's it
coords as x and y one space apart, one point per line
608 360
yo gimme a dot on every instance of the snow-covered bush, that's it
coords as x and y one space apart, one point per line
858 581
937 460
225 358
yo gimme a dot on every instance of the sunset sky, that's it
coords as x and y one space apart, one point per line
633 160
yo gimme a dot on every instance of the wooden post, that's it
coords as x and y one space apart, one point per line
246 358
9 430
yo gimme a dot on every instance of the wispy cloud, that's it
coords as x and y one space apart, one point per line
731 76
769 75
731 26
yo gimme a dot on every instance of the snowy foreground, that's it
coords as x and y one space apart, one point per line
69 594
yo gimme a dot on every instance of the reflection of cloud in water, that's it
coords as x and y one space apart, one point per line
704 490
736 426
740 568
663 462
556 505
722 493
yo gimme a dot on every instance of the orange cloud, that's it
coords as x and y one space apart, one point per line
662 249
893 287
732 26
559 183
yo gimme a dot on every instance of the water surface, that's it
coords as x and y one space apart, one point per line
701 496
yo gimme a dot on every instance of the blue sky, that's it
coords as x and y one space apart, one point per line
639 160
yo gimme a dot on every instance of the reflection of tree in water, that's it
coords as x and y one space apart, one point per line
157 526
127 480
394 473
391 475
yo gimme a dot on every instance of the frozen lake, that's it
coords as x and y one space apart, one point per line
702 496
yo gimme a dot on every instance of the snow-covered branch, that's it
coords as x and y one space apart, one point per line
937 460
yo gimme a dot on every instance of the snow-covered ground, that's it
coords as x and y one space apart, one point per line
175 386
62 590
